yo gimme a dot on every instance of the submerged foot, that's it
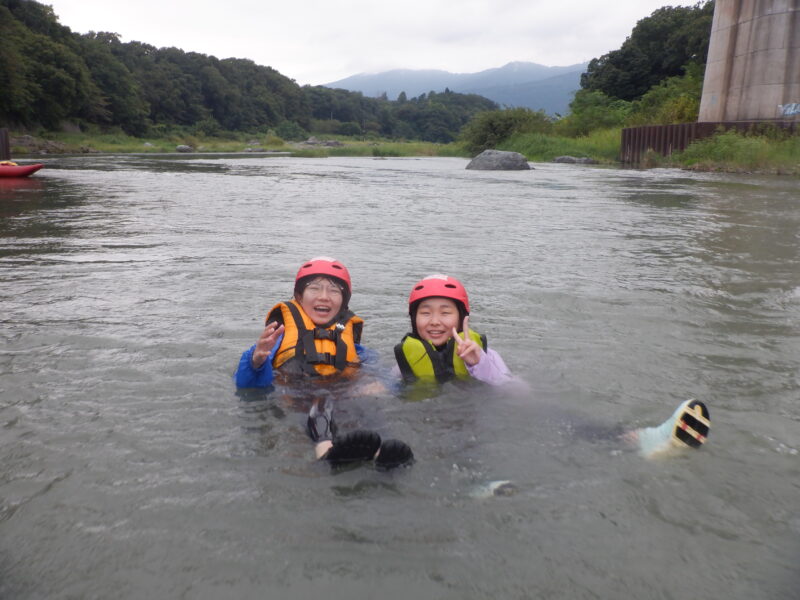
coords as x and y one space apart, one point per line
688 427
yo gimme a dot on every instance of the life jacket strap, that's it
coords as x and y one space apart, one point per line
307 350
324 334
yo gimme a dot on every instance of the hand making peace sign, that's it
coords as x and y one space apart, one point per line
467 349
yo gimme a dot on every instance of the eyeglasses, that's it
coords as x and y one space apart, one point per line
316 289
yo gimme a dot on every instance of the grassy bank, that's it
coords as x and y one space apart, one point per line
383 149
602 145
732 152
728 152
120 143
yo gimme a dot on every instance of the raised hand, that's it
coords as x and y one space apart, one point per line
467 349
266 343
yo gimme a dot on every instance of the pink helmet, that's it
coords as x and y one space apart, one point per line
327 267
441 286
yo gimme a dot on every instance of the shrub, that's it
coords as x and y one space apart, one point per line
490 128
273 140
592 110
726 148
289 130
767 151
350 128
208 127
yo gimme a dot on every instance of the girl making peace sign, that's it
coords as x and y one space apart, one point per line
434 351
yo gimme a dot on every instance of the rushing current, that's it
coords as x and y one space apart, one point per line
130 466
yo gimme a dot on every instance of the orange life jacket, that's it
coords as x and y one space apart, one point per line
317 350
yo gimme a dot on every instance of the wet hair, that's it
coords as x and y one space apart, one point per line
412 311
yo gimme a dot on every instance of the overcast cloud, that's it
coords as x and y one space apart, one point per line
315 42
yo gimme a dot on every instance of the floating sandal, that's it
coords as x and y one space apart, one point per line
394 453
359 445
688 427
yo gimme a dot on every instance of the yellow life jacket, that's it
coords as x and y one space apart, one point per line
419 359
316 350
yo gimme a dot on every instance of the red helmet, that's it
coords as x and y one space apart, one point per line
327 267
440 286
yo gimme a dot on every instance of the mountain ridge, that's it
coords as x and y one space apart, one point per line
515 84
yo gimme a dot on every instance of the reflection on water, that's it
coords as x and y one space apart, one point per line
131 466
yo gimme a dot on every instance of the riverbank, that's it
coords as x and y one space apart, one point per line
25 145
732 152
729 152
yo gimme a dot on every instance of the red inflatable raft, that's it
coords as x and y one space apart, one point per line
19 170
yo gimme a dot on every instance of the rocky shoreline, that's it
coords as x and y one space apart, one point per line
28 144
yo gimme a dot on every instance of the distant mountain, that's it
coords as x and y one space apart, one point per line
523 84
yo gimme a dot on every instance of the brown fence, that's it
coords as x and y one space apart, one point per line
666 139
5 146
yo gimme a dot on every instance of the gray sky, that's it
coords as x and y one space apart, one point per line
315 42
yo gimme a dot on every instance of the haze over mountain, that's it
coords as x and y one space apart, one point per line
517 84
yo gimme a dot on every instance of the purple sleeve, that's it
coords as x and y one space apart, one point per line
491 369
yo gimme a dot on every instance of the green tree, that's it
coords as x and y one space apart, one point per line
659 46
674 100
123 101
18 89
50 80
590 110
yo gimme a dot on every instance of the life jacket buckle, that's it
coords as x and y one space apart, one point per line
323 358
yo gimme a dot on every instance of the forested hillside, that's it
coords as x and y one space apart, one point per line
50 76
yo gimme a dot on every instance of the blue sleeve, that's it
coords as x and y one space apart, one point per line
366 355
248 377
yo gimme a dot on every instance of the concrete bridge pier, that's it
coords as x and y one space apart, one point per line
753 66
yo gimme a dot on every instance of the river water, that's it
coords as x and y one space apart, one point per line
130 467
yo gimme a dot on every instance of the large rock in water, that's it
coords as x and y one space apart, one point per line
499 160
